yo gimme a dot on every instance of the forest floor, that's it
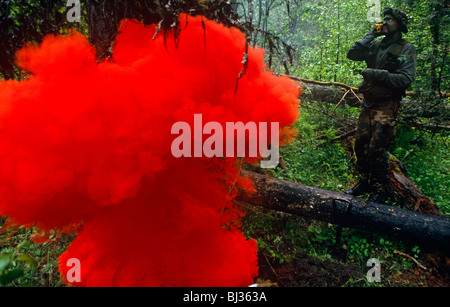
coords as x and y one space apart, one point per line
298 270
308 271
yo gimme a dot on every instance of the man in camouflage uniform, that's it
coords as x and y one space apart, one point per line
391 67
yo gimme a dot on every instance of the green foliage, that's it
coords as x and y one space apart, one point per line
322 32
278 239
427 158
315 161
13 265
24 263
23 21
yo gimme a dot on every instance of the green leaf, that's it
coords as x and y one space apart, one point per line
5 260
11 276
28 259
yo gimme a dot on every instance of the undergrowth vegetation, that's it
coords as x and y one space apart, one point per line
25 263
314 159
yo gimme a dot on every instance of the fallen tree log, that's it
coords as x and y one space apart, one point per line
343 85
355 89
330 94
336 93
428 126
322 91
348 211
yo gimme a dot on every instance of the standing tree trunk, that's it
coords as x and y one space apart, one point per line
435 24
338 47
258 26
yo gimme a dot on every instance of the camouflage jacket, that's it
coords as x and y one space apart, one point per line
395 62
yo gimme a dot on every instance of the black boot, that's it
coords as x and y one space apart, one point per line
361 187
379 196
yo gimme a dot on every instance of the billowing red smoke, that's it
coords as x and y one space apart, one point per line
89 143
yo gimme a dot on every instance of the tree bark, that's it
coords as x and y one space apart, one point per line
343 93
330 95
321 91
348 211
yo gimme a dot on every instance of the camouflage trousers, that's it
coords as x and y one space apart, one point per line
374 135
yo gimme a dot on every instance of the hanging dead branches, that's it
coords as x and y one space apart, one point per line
21 22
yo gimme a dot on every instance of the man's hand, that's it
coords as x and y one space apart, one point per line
375 32
370 74
380 29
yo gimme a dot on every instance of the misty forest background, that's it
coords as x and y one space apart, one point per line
304 39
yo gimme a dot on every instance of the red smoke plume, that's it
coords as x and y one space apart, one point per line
89 143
